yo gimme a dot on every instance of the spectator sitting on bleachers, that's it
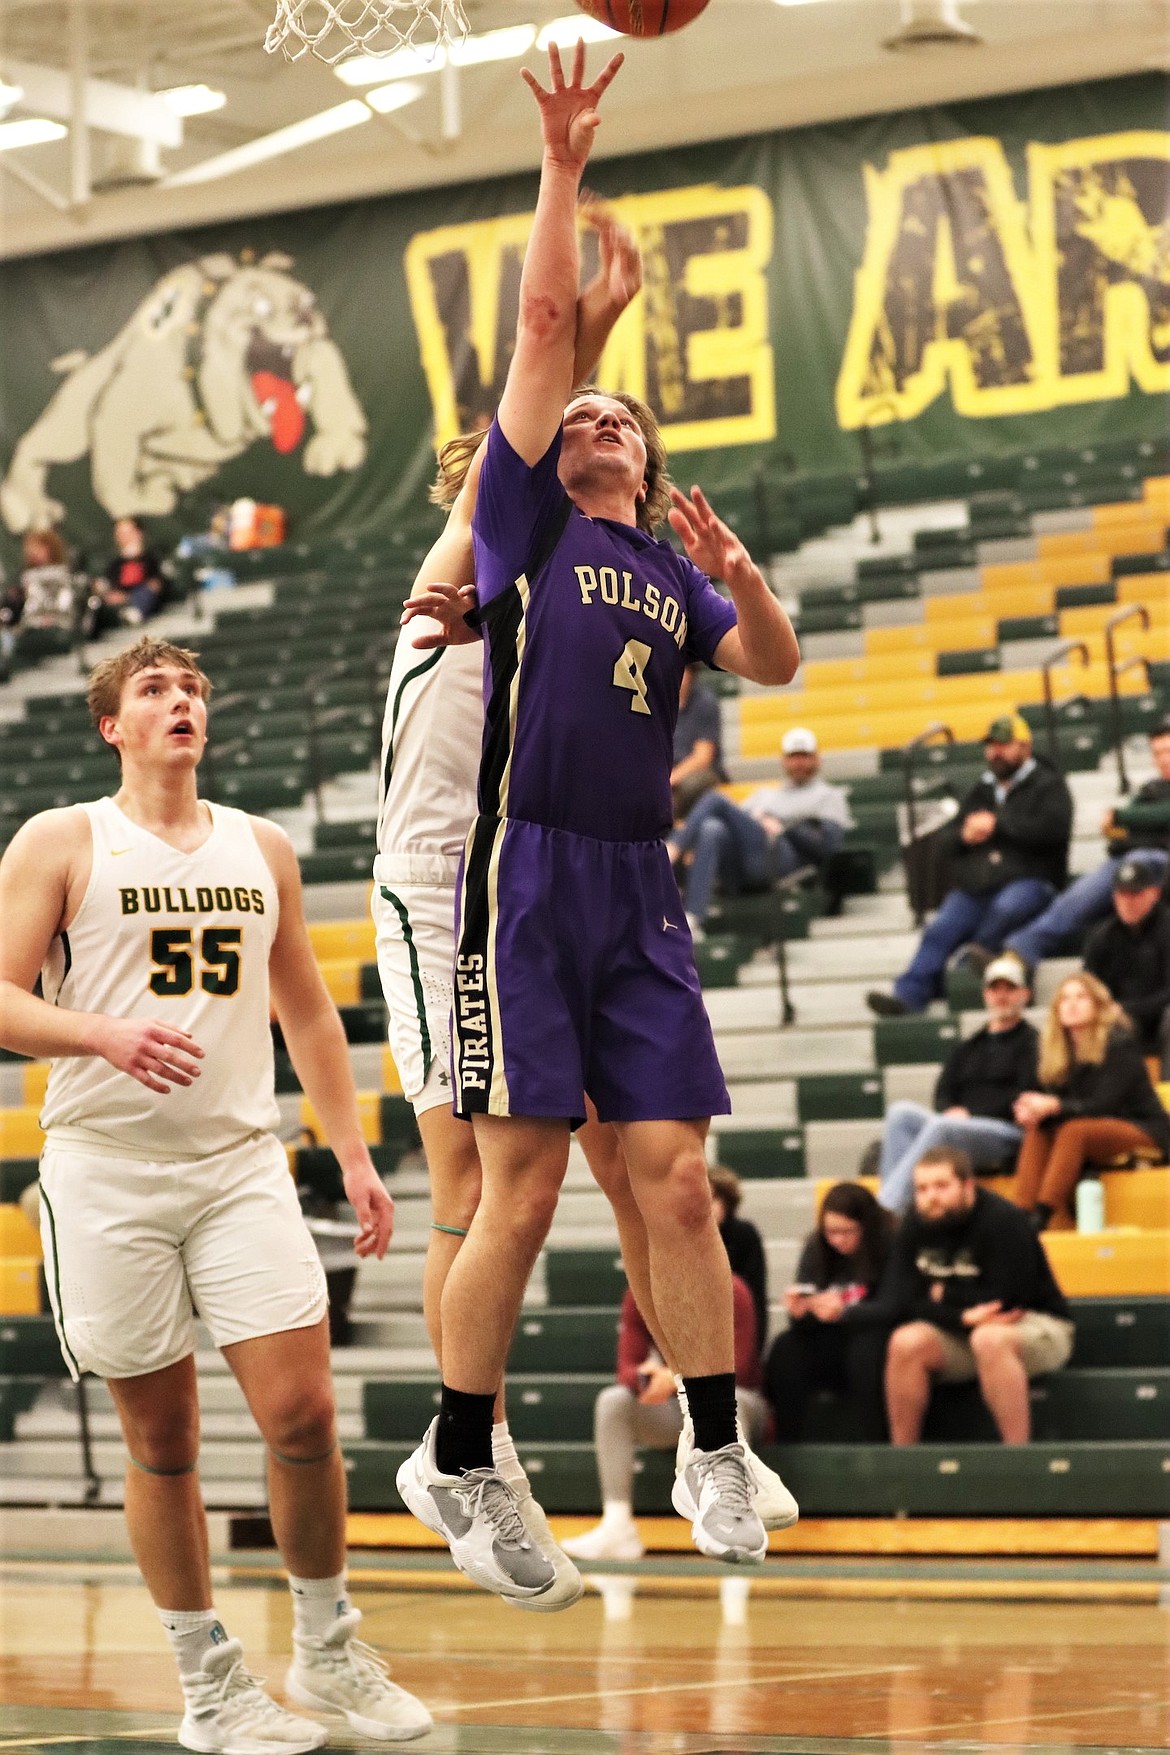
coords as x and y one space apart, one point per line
698 745
743 1243
47 582
1130 953
1009 858
969 1294
130 591
975 1094
827 1345
1141 826
1095 1102
775 831
642 1409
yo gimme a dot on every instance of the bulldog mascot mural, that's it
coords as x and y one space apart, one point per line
219 355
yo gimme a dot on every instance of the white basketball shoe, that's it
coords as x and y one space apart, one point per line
228 1712
342 1675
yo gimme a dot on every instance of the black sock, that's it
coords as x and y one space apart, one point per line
464 1438
712 1404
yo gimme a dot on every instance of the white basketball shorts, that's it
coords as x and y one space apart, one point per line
134 1251
415 935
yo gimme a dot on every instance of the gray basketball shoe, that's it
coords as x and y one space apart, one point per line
716 1492
478 1516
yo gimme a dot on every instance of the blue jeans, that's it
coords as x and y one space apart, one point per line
1085 902
964 919
730 847
911 1130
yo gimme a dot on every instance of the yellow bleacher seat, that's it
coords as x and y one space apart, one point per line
836 672
1116 514
20 1133
333 939
391 1077
369 1114
1113 1264
971 605
36 1077
1138 535
942 636
342 976
1085 569
1156 493
20 1286
1148 588
1138 1197
18 1235
1090 618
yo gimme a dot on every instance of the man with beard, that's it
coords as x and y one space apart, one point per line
1009 858
970 1295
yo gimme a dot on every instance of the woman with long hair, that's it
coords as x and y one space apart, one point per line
828 1344
1095 1103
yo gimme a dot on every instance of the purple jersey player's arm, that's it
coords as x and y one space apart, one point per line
442 592
762 645
540 375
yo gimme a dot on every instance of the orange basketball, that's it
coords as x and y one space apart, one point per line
643 18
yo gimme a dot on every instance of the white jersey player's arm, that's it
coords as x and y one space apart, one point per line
315 1039
43 877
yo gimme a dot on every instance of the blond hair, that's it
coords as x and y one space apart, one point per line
454 462
1057 1049
103 695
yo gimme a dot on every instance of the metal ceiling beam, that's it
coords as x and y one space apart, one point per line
116 109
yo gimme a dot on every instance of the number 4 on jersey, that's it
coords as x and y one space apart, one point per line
630 673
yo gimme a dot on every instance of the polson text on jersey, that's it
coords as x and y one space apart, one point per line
666 611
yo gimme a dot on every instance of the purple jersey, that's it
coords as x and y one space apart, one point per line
588 626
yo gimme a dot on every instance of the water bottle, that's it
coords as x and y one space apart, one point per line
1090 1207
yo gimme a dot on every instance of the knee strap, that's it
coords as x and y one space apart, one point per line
302 1462
164 1474
450 1230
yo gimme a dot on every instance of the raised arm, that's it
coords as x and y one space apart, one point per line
540 376
762 646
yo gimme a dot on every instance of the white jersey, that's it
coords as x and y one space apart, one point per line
183 938
431 738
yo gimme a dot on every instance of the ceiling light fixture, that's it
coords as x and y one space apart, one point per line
402 64
193 100
9 96
267 146
395 96
932 24
566 32
35 131
507 44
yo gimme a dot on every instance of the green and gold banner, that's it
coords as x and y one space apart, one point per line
980 279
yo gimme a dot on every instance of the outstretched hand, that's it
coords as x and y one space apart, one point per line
711 544
568 113
447 605
619 277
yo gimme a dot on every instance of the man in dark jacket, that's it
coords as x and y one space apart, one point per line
1141 827
1130 953
1009 858
970 1294
975 1094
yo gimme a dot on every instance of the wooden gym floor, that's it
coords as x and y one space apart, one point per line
671 1657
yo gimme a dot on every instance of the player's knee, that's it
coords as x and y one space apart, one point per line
163 1439
529 1213
689 1193
301 1423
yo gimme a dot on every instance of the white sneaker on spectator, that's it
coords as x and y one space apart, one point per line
228 1712
343 1675
715 1491
611 1539
478 1517
775 1505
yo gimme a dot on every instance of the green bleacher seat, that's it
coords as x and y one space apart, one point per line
834 619
839 1096
881 566
1124 565
338 865
926 541
1081 596
540 1409
365 1022
889 588
909 1041
564 1340
259 789
399 1127
585 1276
1103 1405
720 956
16 1174
17 1395
968 663
359 833
761 1153
29 1348
1123 1333
1027 627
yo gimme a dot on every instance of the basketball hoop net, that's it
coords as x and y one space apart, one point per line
333 29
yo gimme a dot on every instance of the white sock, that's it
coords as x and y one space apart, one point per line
617 1513
504 1456
192 1633
681 1391
317 1603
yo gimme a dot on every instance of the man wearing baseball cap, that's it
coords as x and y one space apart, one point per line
975 1093
777 829
1130 953
1008 858
1138 827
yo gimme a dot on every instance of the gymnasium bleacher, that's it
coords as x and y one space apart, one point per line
954 614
